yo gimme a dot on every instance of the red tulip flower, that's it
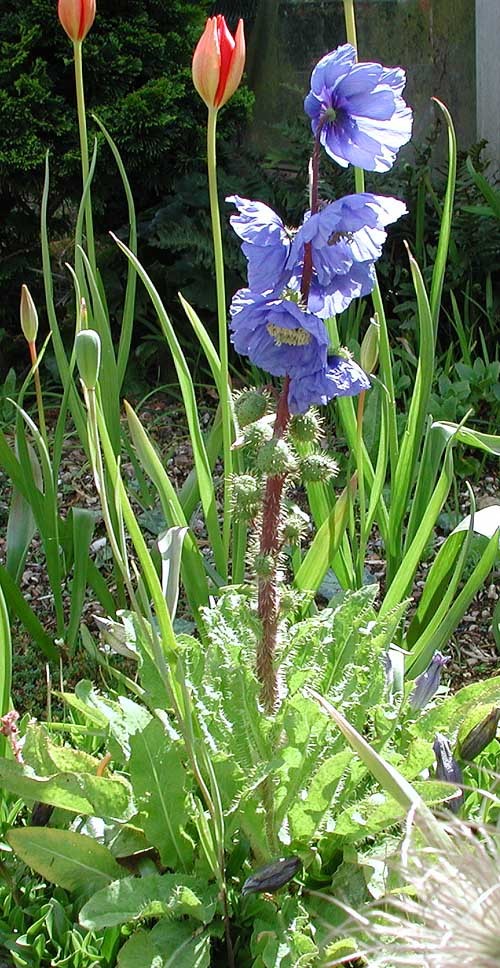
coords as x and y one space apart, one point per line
218 61
77 17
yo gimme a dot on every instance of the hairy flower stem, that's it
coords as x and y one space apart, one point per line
224 391
84 151
268 591
314 198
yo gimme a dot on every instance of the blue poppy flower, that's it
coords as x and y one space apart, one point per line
276 334
357 111
266 243
340 377
346 238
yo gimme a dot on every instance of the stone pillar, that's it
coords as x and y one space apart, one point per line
488 75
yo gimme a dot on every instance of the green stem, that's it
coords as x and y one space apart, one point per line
84 151
361 489
384 350
38 390
225 394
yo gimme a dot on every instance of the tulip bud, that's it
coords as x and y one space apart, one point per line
29 316
88 357
77 17
369 347
480 736
447 769
427 684
218 62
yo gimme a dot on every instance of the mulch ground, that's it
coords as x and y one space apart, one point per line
473 650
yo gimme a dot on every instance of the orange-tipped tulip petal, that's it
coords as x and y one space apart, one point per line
218 62
77 17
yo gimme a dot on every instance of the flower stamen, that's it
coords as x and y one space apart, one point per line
339 236
285 336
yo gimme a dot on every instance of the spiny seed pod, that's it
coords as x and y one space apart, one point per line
295 527
276 458
255 435
29 315
479 737
272 876
246 497
447 769
316 468
264 564
305 428
250 405
88 357
291 601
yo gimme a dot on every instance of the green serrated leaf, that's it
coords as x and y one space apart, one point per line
154 896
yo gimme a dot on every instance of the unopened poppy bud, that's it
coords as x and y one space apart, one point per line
250 405
77 17
427 684
275 458
305 428
368 357
29 316
218 62
88 357
272 876
318 468
246 497
447 769
479 737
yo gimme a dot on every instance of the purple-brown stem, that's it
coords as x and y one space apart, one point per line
270 541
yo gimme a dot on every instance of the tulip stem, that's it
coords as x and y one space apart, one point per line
226 402
38 389
84 151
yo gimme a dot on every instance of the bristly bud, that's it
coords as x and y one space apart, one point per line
368 357
256 434
479 737
246 497
306 428
264 564
29 316
88 357
295 527
427 684
250 405
447 769
276 459
317 468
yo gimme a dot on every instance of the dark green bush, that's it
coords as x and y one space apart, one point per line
137 60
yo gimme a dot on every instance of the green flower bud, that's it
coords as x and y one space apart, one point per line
315 468
255 435
276 458
295 527
29 316
369 347
264 564
88 357
480 736
305 428
250 405
246 497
